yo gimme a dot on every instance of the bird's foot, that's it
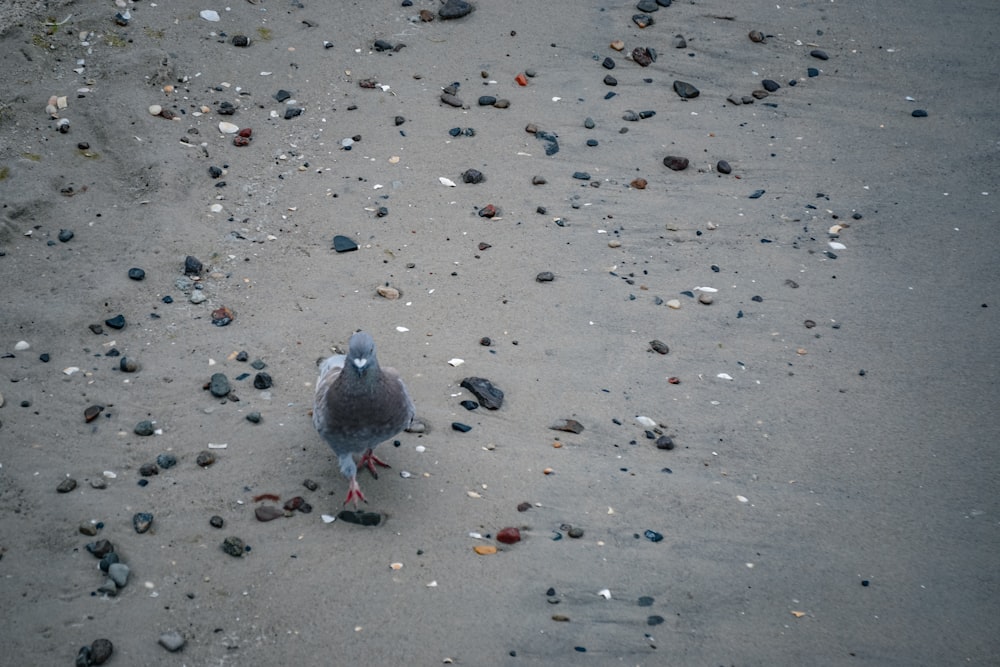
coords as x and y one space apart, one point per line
368 459
354 493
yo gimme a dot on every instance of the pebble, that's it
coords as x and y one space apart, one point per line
639 183
116 322
770 85
219 385
128 365
107 560
222 316
343 244
819 54
655 619
665 441
118 572
642 20
262 381
460 427
141 521
812 72
172 640
99 653
216 521
87 528
723 167
198 296
679 42
484 549
643 56
136 273
241 41
148 469
676 163
487 100
268 512
610 81
66 485
451 100
757 36
65 235
567 425
575 533
608 63
473 176
509 535
545 277
674 304
489 395
685 90
658 346
254 417
205 458
756 194
705 299
192 266
91 413
233 546
581 175
455 9
100 548
166 461
648 6
653 536
538 180
919 113
360 518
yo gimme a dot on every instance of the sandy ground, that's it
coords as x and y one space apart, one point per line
792 484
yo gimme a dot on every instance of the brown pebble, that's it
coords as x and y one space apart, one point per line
88 528
205 459
91 413
567 425
268 512
390 293
531 128
674 380
485 246
801 351
562 618
293 504
617 45
658 346
509 535
705 299
426 15
639 184
757 36
484 549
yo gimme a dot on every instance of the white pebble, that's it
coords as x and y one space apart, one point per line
22 345
837 246
724 376
605 593
198 296
674 303
645 422
228 128
742 499
327 518
451 362
155 109
215 208
447 181
209 15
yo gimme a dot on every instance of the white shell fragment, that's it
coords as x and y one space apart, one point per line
646 422
69 370
674 304
605 593
456 362
328 518
724 376
710 290
837 246
228 128
22 345
447 181
742 499
209 15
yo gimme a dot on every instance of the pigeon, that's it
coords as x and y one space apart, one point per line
358 405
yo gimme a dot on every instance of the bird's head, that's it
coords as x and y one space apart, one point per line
361 353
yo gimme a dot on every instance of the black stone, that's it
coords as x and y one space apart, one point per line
262 381
116 322
141 521
166 461
100 548
653 536
253 417
608 63
490 396
610 81
675 163
136 273
241 40
282 95
66 235
756 194
645 601
655 619
107 560
148 469
382 45
455 9
685 90
381 212
399 120
812 71
44 357
226 109
214 172
819 54
647 114
460 427
233 546
360 518
216 521
647 6
581 175
100 651
292 112
469 405
919 113
66 485
723 167
258 364
473 176
664 442
770 85
591 142
343 244
192 266
545 277
144 428
487 100
551 143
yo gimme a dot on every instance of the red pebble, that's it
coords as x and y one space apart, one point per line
509 536
246 132
241 141
674 380
521 80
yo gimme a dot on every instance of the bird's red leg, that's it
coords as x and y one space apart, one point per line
368 459
354 493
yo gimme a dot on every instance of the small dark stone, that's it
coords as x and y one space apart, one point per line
166 461
460 427
819 54
226 109
100 548
382 45
215 172
653 536
642 20
216 521
141 521
664 442
592 142
676 163
723 167
756 194
66 235
489 395
168 299
293 504
659 346
343 244
107 560
545 277
538 180
451 100
398 120
149 469
360 518
262 381
472 176
645 601
919 113
116 322
647 114
92 412
242 355
679 42
686 90
282 95
608 63
128 365
610 80
757 36
455 9
66 485
757 298
96 328
192 266
812 71
136 273
575 533
581 175
83 657
311 485
233 546
647 6
469 405
865 583
254 417
205 458
488 211
219 385
655 619
144 428
44 357
292 112
487 100
770 85
643 56
100 651
258 364
524 507
241 41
